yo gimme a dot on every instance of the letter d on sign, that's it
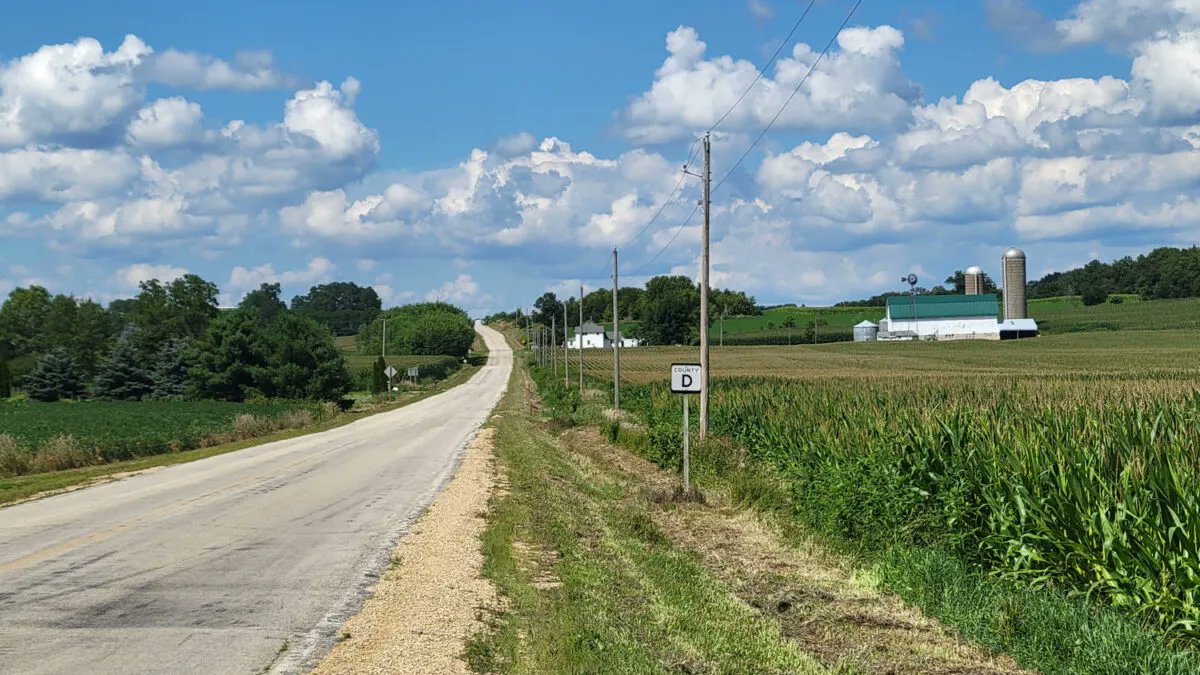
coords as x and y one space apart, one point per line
685 378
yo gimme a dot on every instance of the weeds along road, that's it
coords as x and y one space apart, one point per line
239 563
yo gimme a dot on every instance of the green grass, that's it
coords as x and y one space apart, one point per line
591 584
1067 315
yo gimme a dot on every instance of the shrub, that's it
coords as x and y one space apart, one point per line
14 460
62 452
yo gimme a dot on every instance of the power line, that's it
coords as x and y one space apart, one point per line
758 75
795 91
754 144
667 201
668 245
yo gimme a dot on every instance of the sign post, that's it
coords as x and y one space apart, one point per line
686 378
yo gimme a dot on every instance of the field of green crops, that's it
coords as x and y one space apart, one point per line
1069 461
116 430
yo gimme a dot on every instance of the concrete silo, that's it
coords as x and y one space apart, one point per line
974 280
1012 274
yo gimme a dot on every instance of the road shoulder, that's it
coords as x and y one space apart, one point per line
428 602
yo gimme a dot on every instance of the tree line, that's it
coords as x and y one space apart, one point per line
172 341
1163 273
665 311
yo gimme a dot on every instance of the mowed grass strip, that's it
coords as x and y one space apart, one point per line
591 584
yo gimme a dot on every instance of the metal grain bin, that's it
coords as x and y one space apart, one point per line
865 331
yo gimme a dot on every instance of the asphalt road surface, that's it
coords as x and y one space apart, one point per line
241 563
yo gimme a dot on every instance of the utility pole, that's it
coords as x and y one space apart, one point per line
383 348
704 289
579 336
566 351
554 343
616 340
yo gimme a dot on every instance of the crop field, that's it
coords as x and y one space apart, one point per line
115 430
1067 461
1137 357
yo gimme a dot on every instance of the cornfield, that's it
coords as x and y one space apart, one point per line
1086 479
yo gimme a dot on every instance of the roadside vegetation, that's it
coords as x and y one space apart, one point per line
612 571
590 583
167 372
1040 496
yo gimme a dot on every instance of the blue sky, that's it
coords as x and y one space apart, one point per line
485 152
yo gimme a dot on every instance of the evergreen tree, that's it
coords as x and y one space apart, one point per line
5 379
123 374
169 378
56 376
378 376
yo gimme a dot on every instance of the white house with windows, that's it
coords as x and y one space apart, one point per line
595 337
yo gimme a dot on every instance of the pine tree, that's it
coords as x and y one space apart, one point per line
169 379
56 376
378 376
5 379
123 374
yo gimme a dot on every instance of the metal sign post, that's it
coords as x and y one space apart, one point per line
686 378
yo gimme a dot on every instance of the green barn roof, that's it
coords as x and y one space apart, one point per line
900 307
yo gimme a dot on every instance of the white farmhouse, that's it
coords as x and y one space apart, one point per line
595 337
941 317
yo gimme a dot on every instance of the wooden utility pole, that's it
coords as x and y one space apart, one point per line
616 340
554 343
579 337
566 350
704 290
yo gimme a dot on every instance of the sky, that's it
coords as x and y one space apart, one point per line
483 153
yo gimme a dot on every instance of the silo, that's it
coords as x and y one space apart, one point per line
974 280
1012 266
865 331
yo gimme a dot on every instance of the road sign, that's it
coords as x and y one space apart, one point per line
414 371
685 378
390 372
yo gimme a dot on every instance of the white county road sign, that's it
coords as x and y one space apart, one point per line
685 378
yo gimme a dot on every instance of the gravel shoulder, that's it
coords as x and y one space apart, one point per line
429 601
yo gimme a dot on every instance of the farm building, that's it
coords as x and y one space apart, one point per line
941 317
595 337
865 331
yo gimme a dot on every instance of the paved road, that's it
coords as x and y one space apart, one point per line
232 564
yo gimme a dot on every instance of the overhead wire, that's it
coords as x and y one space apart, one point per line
757 78
795 91
758 75
757 140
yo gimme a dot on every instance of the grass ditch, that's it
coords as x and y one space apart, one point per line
1043 628
590 582
21 488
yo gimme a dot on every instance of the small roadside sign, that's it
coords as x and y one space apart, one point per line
685 378
413 372
390 372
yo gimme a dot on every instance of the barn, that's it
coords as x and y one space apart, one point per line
941 317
